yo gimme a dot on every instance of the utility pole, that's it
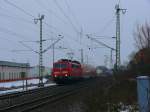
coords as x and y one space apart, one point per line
82 57
53 49
40 53
111 58
87 59
53 53
105 60
118 9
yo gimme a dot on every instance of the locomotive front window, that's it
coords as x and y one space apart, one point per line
63 65
75 66
58 65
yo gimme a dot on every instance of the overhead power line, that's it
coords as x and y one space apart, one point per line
61 9
22 20
104 37
15 18
65 34
49 11
72 13
29 47
108 24
11 33
29 14
21 9
52 45
20 50
103 44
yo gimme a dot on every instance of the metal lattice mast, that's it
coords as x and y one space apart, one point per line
41 55
82 58
118 9
41 52
111 58
82 55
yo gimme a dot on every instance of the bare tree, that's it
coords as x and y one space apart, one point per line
142 36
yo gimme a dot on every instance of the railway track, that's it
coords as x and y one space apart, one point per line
18 97
53 95
20 93
57 94
36 103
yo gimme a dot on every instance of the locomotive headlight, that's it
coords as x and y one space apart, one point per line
66 75
64 72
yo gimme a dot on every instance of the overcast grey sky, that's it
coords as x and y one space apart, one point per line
67 17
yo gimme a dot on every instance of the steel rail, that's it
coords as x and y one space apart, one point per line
32 104
16 94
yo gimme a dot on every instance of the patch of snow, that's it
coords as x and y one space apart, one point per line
16 84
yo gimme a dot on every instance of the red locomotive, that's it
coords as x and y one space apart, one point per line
65 70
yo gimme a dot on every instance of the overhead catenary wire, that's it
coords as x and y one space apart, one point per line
21 9
45 50
13 42
75 18
18 36
33 16
67 17
103 44
12 33
21 19
72 13
4 30
29 47
108 24
50 11
65 34
15 18
27 13
104 37
72 38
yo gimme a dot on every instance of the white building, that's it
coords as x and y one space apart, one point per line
13 71
10 71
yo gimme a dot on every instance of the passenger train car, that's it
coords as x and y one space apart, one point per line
65 70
